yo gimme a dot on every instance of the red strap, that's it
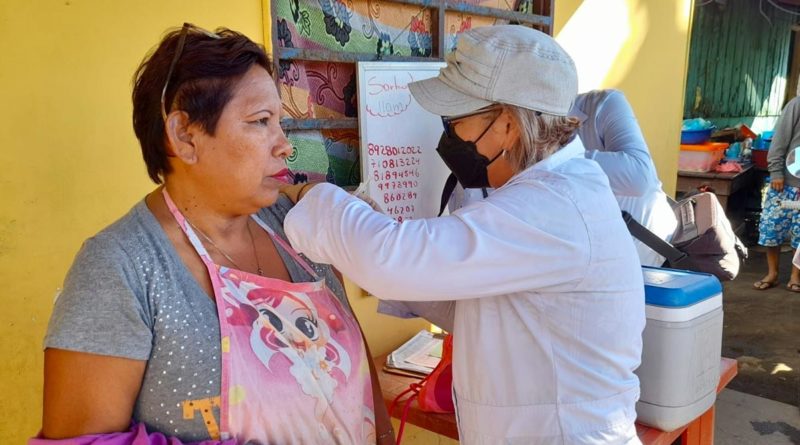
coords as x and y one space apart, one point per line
412 388
404 416
399 397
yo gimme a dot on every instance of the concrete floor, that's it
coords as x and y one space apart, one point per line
762 332
746 419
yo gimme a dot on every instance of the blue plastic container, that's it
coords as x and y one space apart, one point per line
761 143
692 137
681 347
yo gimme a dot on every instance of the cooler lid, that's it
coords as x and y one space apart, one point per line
678 288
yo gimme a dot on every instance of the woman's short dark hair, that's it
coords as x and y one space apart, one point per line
201 84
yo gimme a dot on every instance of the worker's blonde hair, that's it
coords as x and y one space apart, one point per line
540 135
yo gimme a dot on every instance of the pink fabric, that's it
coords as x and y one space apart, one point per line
728 167
136 436
294 364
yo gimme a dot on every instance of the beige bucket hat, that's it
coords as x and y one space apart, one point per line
509 64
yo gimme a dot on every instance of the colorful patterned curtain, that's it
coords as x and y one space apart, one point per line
328 89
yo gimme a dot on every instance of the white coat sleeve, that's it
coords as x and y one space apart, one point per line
480 251
624 158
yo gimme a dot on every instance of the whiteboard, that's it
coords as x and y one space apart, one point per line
400 168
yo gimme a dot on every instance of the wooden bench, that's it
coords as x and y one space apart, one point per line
699 431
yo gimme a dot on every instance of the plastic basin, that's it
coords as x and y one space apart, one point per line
689 137
700 157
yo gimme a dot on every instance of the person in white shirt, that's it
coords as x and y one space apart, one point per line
548 298
612 137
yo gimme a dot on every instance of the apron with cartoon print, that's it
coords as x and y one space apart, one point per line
294 365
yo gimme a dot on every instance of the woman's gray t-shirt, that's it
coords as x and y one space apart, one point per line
128 294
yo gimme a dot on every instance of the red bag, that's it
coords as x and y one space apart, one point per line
434 393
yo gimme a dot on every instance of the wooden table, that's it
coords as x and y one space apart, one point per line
699 431
723 184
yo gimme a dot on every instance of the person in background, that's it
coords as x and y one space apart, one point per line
776 223
191 316
541 280
612 138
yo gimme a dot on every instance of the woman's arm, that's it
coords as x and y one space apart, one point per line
782 138
89 399
624 155
384 432
498 246
88 393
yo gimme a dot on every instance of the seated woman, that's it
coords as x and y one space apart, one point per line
549 299
190 315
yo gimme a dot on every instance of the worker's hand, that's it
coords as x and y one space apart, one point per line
777 184
362 195
295 192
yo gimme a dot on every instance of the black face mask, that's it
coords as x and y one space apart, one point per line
467 165
464 160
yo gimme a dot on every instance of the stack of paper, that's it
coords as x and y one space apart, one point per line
419 355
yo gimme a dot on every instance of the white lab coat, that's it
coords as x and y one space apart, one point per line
612 137
549 306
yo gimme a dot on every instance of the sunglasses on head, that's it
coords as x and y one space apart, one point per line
178 52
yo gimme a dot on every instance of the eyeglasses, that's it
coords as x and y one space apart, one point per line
178 52
448 121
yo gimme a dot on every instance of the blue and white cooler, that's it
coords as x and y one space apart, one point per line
682 345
